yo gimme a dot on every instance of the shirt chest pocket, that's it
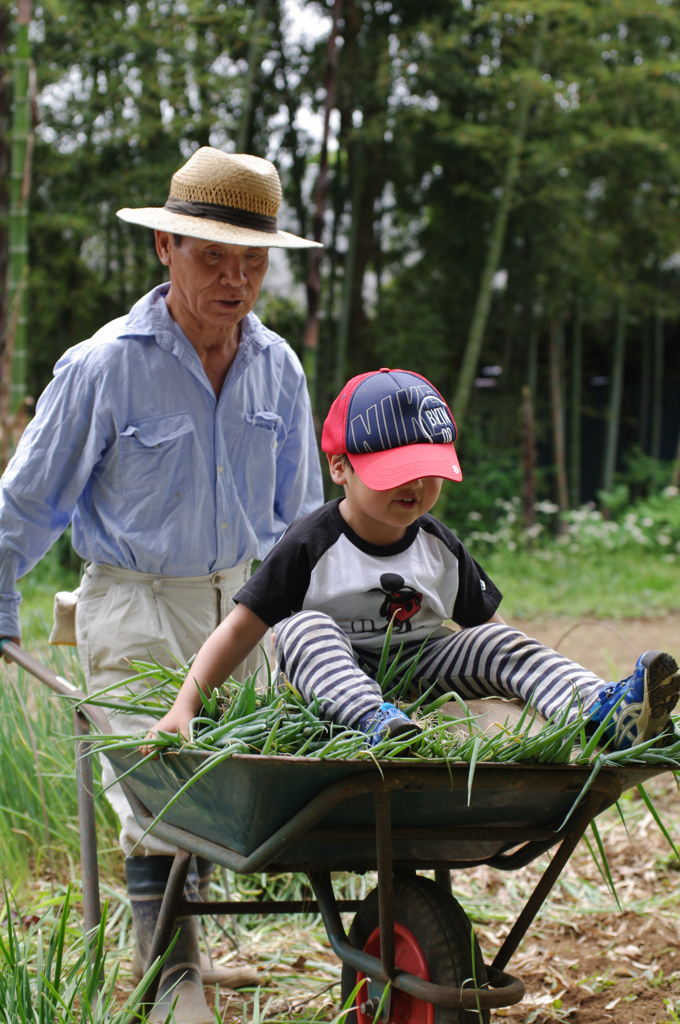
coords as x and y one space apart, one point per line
155 455
262 430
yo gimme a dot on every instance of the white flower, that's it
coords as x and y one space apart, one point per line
534 531
547 507
668 558
671 492
663 539
647 521
475 516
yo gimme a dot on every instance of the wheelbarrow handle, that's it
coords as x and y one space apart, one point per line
56 683
86 817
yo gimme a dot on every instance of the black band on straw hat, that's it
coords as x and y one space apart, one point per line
227 214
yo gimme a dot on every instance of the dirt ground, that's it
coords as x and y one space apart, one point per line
584 960
608 647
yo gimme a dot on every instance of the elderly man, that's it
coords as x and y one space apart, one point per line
179 441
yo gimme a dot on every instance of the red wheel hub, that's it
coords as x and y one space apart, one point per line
408 956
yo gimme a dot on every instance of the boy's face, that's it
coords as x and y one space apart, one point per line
381 517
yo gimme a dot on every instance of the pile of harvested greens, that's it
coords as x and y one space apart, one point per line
273 719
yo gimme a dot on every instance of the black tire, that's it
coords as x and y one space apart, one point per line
442 929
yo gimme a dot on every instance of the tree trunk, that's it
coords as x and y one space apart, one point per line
645 387
4 167
480 315
528 458
657 386
615 391
348 275
675 478
310 338
556 334
254 51
13 409
19 188
576 402
532 361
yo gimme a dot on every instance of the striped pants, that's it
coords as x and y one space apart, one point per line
492 660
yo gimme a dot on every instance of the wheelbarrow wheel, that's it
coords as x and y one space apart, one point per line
432 941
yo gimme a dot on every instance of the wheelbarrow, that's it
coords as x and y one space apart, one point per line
255 813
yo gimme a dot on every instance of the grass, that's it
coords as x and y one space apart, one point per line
38 801
626 583
52 972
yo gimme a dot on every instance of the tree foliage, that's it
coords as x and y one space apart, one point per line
429 97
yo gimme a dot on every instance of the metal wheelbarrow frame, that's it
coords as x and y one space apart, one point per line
311 828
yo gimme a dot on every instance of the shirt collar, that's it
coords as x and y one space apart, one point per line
150 316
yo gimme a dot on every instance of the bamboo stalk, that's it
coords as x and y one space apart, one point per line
615 392
556 333
576 401
348 276
657 386
645 387
310 338
480 315
254 51
19 189
528 458
675 478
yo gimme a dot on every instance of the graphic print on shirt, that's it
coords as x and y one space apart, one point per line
401 601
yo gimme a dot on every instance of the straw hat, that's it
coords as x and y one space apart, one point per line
222 197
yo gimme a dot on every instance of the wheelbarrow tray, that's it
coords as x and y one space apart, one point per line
245 800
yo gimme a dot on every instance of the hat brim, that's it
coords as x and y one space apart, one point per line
382 471
212 230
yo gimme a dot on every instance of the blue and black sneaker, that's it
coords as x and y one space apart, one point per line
646 698
386 721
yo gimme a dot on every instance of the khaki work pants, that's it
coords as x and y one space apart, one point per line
123 615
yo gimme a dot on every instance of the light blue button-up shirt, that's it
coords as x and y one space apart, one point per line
157 474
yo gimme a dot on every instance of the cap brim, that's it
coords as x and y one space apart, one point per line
397 466
212 230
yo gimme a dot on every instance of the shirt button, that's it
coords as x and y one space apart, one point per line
220 469
225 525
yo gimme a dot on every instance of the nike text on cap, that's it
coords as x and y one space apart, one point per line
395 427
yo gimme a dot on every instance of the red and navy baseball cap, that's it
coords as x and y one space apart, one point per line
394 427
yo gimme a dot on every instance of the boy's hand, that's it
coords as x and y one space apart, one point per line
224 649
176 720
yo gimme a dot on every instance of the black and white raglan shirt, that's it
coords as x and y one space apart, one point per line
321 564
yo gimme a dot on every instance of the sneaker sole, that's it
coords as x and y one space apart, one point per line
397 730
662 690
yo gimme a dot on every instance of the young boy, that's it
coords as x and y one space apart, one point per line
340 575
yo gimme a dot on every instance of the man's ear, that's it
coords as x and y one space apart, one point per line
338 469
163 246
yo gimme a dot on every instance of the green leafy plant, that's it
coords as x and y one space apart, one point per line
46 980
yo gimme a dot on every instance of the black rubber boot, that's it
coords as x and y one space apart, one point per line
180 981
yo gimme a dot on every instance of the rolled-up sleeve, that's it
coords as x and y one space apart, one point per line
43 481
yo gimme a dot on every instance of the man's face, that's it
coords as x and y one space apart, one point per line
212 283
